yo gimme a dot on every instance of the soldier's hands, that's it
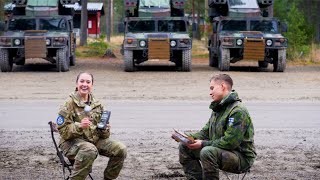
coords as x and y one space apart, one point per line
108 126
85 123
196 145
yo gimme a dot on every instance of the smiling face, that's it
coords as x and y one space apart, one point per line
84 84
218 90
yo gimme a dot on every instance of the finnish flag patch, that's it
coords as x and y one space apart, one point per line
231 120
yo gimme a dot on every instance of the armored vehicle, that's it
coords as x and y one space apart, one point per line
242 30
156 30
39 29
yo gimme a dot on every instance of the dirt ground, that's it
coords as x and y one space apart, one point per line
283 153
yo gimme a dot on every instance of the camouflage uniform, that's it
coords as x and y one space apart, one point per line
83 145
227 142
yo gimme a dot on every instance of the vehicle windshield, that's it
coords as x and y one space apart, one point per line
158 3
22 24
141 26
234 25
267 26
54 24
243 4
172 26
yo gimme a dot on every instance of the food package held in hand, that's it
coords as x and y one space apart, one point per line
181 137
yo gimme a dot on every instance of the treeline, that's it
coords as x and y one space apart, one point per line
303 20
301 16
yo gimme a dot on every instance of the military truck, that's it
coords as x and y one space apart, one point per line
242 30
39 29
156 30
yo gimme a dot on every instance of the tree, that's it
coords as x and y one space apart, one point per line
84 23
109 19
297 31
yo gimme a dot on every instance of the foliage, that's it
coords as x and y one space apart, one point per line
96 48
300 32
297 32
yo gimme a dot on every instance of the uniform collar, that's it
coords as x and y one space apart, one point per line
77 99
230 98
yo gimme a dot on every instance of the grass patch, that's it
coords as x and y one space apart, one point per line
312 58
96 48
199 49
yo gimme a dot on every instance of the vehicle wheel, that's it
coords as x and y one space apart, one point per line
186 61
128 61
213 61
224 59
279 61
73 60
6 62
263 64
63 60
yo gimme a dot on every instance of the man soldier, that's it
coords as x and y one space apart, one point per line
226 142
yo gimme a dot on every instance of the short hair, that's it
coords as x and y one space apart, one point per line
84 73
223 78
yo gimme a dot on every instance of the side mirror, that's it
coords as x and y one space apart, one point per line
194 27
121 28
2 25
284 27
214 28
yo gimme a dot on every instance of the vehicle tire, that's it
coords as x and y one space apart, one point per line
213 61
63 60
128 61
6 62
224 59
73 60
263 64
186 61
279 61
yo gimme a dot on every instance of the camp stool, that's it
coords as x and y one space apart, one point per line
65 162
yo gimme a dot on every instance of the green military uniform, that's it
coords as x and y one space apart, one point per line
227 142
83 145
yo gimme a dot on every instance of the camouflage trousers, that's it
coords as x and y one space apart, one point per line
205 163
84 153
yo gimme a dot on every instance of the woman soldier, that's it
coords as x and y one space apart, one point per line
81 140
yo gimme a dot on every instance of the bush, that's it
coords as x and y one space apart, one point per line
96 48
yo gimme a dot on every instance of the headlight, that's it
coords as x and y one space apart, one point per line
269 42
239 42
173 43
142 43
48 42
17 42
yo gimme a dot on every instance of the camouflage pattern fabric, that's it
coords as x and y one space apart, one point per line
73 112
228 141
83 145
212 159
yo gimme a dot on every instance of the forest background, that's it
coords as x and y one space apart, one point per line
301 16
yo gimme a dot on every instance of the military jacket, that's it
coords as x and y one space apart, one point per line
72 112
229 127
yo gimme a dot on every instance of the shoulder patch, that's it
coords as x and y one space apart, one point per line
60 120
231 120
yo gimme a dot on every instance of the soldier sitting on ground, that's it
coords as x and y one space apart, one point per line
81 140
226 142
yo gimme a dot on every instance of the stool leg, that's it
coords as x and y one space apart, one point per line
226 174
244 176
